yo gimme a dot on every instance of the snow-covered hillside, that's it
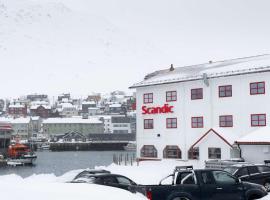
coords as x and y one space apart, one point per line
50 46
55 46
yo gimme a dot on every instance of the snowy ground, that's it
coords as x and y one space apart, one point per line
48 186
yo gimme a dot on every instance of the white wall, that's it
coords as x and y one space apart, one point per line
255 153
240 105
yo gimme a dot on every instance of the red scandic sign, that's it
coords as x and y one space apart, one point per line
157 110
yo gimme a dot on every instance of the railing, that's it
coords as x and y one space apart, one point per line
124 159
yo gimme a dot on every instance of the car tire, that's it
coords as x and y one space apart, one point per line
267 186
180 198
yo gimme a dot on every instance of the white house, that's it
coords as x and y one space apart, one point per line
199 111
257 141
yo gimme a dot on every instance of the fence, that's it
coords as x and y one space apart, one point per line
124 159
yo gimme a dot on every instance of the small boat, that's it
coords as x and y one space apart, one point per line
20 154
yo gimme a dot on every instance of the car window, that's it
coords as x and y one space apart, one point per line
253 170
207 178
242 172
109 179
123 181
189 179
264 168
181 176
223 177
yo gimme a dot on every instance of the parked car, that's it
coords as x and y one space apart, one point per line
108 179
259 174
90 172
202 184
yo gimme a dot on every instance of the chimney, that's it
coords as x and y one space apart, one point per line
171 68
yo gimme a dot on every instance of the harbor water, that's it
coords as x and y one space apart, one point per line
59 163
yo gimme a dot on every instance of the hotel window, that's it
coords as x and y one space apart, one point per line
258 120
257 88
214 153
197 122
171 122
149 151
171 96
225 91
196 93
148 124
172 151
148 98
226 121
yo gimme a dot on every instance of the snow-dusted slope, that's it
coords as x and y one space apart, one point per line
78 46
50 46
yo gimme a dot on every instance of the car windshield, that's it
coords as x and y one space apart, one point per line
231 170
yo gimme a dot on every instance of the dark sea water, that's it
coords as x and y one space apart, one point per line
59 163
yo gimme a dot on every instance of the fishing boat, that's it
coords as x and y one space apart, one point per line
20 154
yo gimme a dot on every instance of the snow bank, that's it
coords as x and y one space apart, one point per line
49 186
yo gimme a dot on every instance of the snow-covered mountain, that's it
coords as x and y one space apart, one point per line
55 46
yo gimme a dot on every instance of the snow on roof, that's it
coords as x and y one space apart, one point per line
67 105
35 118
72 121
89 102
237 66
259 136
16 106
20 120
115 105
34 107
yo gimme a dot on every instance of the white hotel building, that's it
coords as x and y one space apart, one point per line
200 111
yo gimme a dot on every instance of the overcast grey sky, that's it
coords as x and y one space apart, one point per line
55 46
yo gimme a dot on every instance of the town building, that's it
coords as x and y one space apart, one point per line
17 110
67 110
41 109
120 124
200 111
60 126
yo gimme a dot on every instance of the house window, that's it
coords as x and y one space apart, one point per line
196 93
171 122
225 91
171 96
257 88
148 124
258 120
148 98
197 122
194 153
226 121
172 151
214 153
149 151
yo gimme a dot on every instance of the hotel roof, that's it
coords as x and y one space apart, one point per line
246 65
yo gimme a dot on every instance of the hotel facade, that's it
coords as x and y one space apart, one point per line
200 111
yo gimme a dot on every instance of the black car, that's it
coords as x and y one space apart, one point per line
89 172
202 184
108 179
259 174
